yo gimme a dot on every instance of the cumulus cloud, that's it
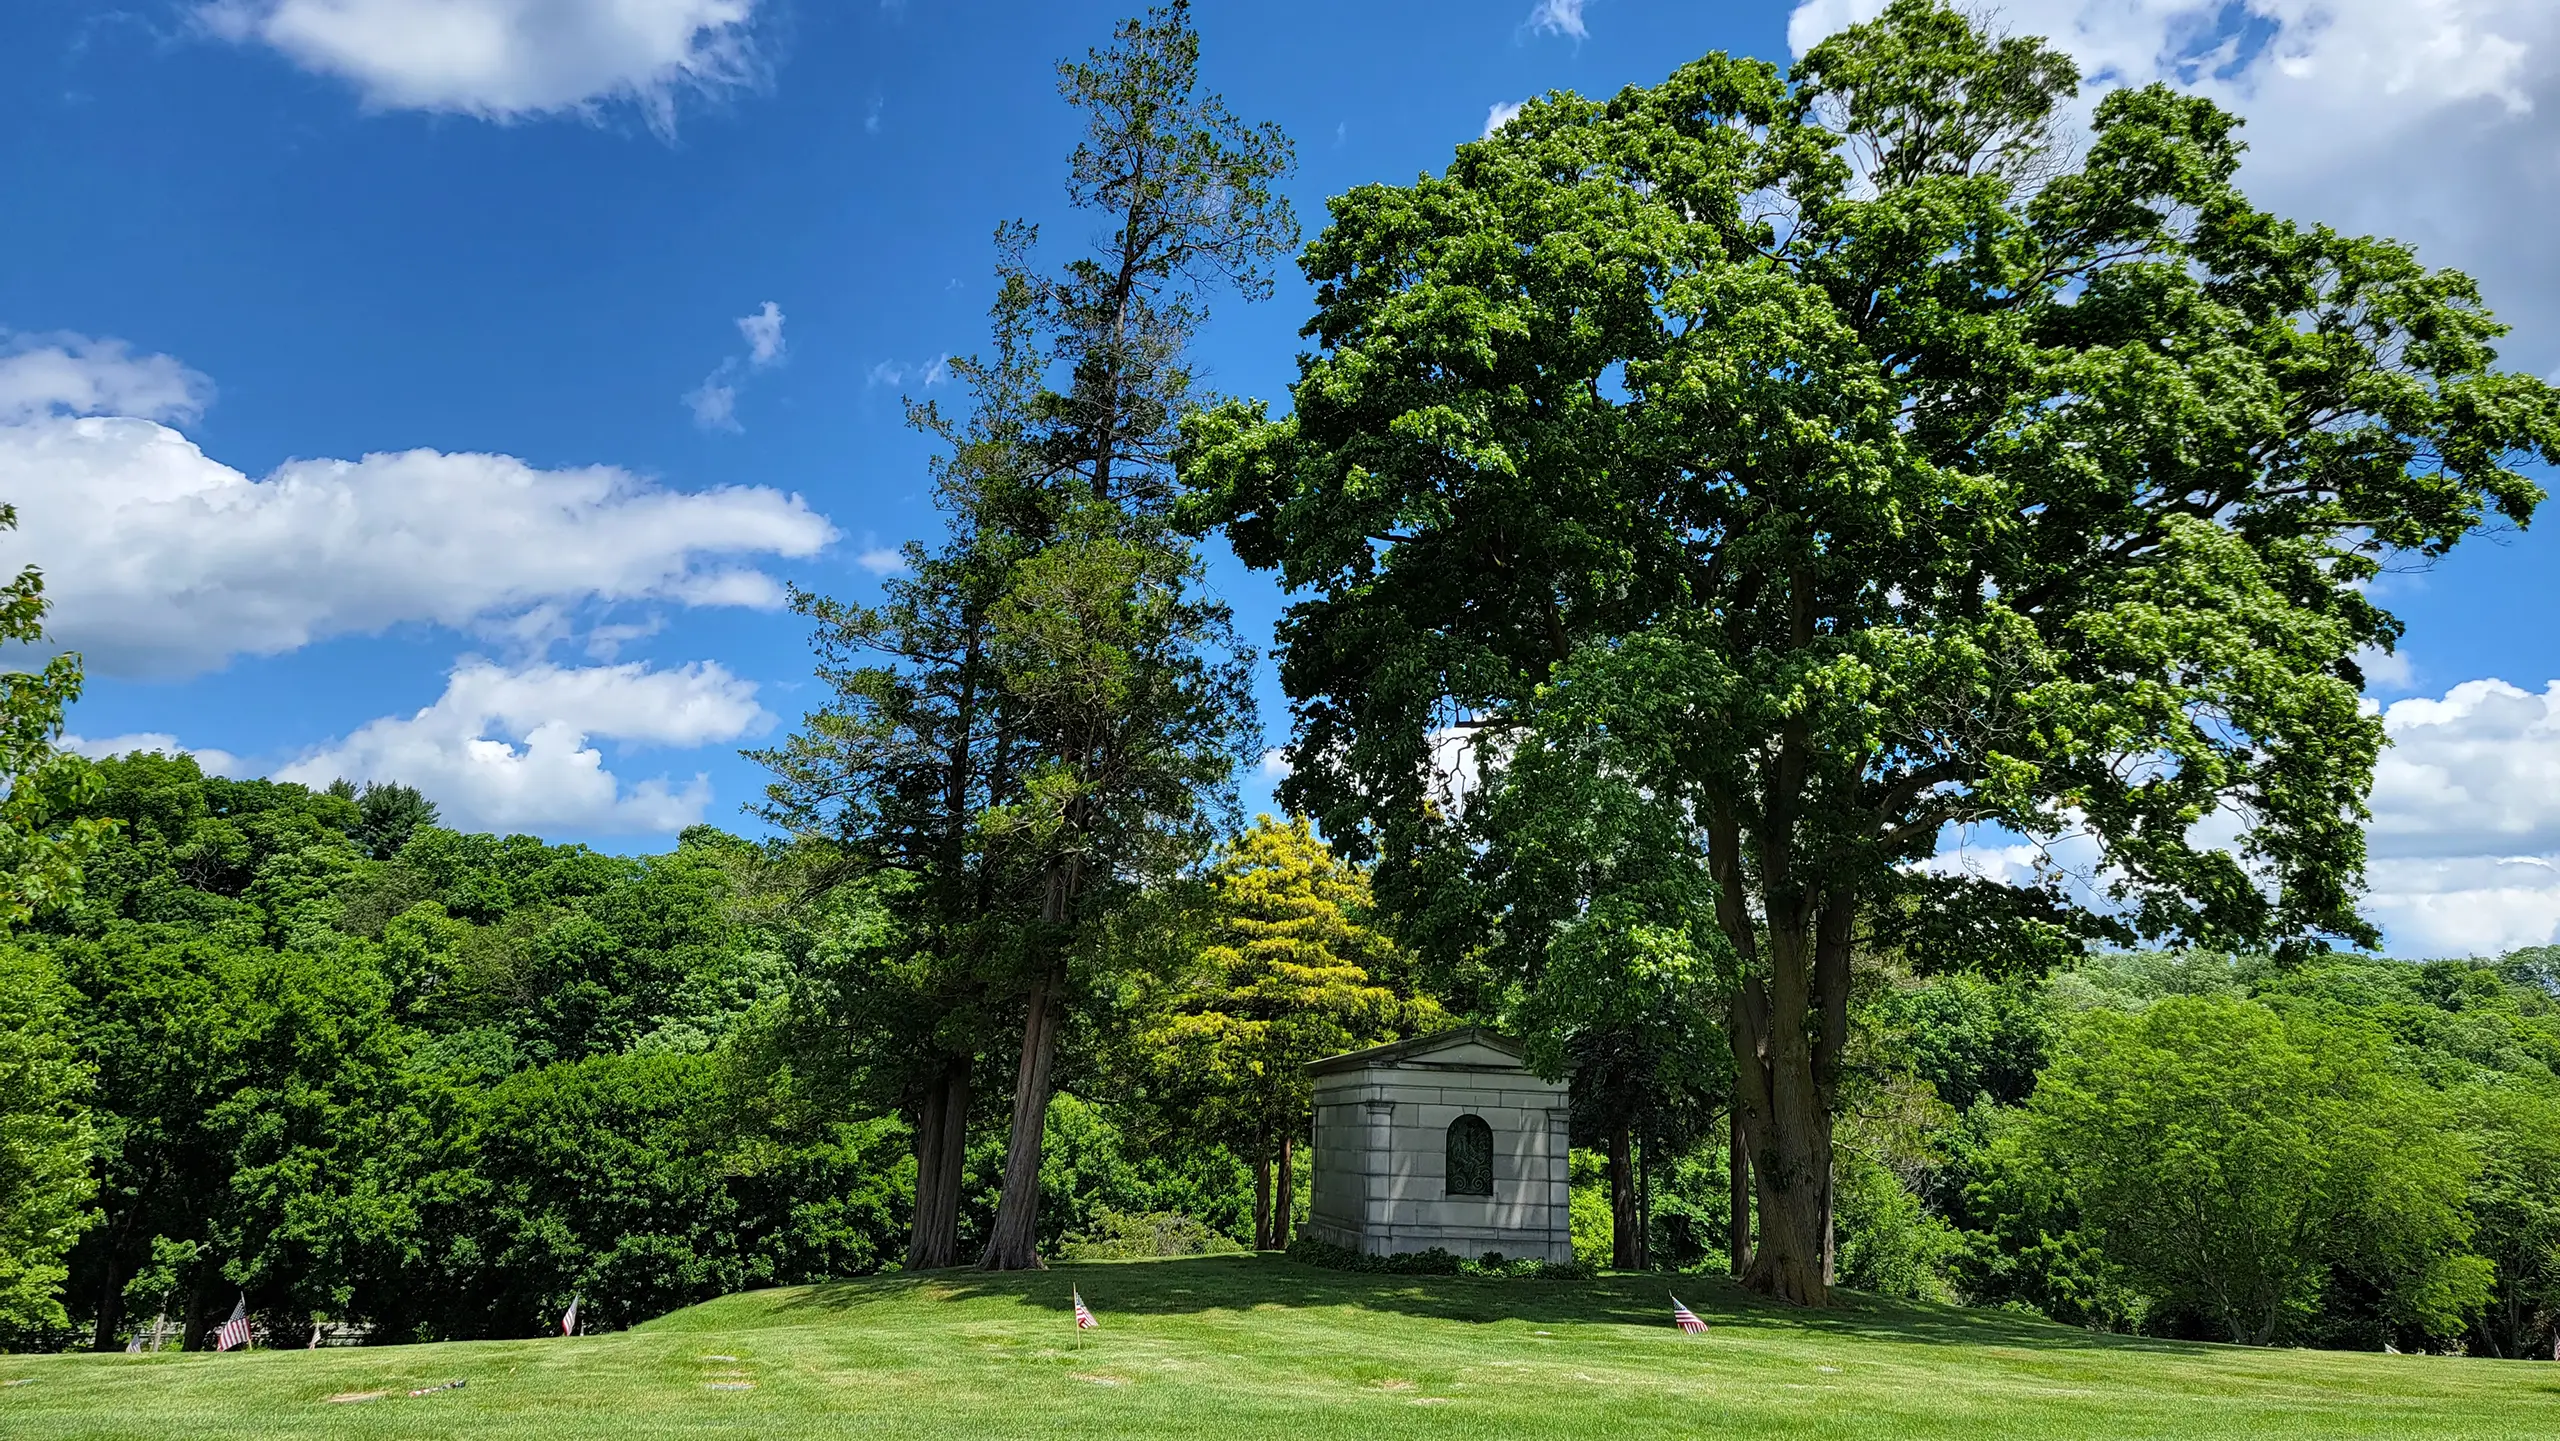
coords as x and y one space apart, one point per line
512 749
1559 17
66 374
163 561
2464 845
2387 669
2466 833
1499 114
505 59
882 560
2427 120
214 762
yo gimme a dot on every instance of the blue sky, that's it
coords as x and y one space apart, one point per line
375 388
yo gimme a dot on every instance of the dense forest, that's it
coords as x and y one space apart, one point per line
310 1047
1695 506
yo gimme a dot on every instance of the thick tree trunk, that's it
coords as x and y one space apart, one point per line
1737 1223
1284 1216
1622 1201
942 1158
1787 1131
1786 1075
1013 1244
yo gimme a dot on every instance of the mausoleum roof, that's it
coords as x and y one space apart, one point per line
1420 1050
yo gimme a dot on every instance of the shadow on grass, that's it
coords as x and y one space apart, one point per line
1240 1283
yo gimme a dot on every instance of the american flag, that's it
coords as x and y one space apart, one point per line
1686 1319
1084 1318
234 1332
569 1318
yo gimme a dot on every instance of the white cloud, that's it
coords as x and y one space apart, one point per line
2464 845
505 59
512 749
1559 17
1499 114
763 331
2427 120
2386 669
2466 820
714 402
161 560
214 762
882 560
923 372
44 375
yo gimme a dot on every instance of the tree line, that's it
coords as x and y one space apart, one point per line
1697 504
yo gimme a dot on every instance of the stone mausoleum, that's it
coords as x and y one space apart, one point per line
1445 1141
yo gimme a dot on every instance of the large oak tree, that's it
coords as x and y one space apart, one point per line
1837 456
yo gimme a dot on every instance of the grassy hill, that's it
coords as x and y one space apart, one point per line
1242 1347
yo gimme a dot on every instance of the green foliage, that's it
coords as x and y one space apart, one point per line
2238 1162
1288 973
1434 1262
45 832
1829 456
1090 1166
2515 1212
1594 1224
624 1180
1118 1236
45 1144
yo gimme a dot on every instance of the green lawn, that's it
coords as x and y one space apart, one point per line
1239 1347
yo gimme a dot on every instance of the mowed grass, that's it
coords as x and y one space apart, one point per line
1246 1347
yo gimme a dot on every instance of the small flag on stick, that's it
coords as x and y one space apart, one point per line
569 1318
1686 1319
234 1332
1084 1318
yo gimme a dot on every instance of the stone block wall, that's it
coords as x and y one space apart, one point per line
1381 1138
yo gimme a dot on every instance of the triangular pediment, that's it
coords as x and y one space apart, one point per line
1473 1047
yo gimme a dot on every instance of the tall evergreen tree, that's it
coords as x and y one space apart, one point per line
1046 712
917 743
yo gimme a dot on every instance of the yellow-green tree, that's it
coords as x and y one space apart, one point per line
1290 973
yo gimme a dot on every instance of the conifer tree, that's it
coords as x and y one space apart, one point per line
1291 973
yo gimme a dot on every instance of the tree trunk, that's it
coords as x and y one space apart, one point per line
1644 1203
942 1159
1014 1242
1285 1214
1830 1231
1262 1194
1737 1225
1622 1201
110 1307
193 1339
1785 1080
1788 1134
